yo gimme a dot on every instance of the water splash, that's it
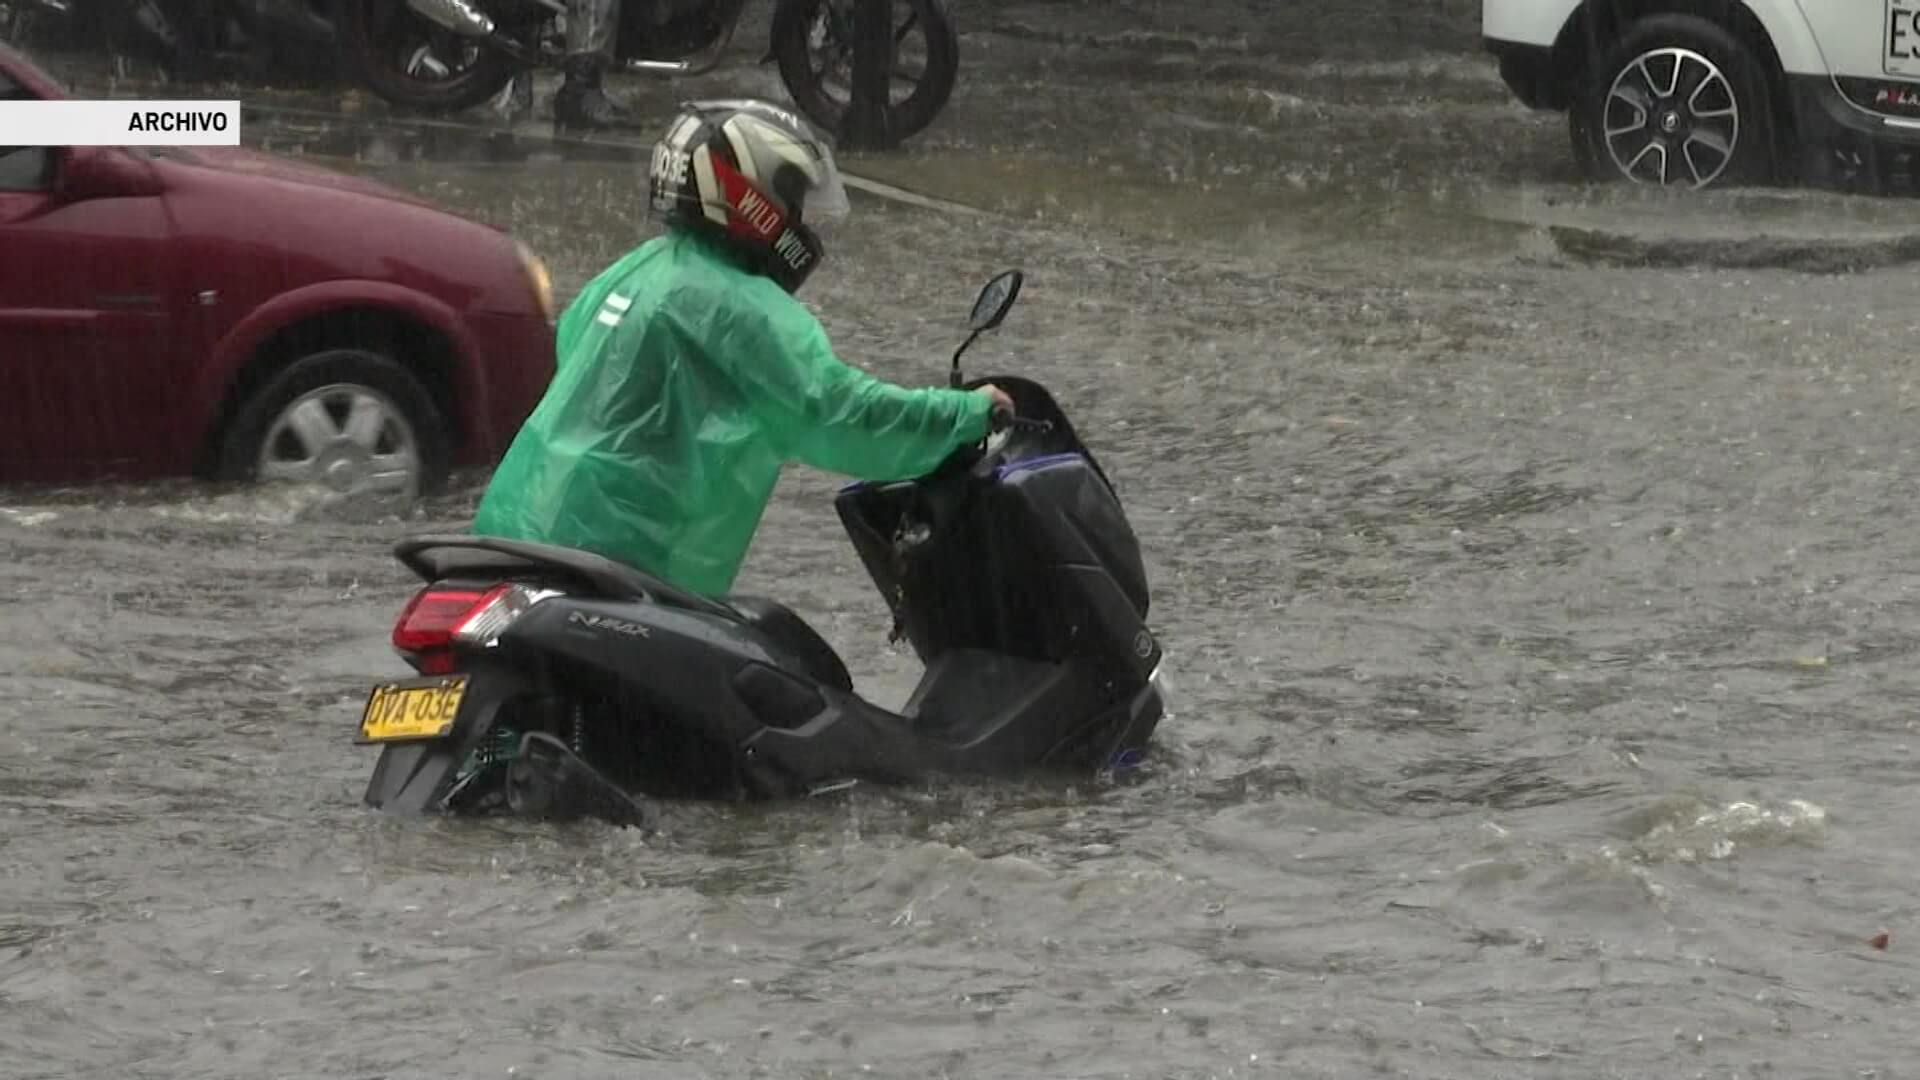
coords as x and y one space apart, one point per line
283 504
1685 830
28 518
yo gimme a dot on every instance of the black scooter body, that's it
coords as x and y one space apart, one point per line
1015 575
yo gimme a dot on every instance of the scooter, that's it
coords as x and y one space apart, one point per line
450 55
558 684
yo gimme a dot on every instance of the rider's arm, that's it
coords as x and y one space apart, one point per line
836 417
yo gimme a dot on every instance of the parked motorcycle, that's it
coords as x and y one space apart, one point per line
449 55
556 683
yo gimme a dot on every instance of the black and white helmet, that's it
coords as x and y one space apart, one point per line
748 172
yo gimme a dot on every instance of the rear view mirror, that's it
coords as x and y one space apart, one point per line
995 301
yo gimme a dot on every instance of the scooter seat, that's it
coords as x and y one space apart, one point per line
791 633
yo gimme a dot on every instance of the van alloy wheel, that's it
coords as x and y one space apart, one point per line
1681 102
1672 117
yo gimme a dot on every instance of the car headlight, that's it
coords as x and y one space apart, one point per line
541 280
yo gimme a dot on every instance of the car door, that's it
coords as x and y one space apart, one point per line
88 348
1872 48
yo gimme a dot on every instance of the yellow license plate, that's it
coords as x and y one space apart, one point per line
416 710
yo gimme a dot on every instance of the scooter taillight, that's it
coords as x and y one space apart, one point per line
439 618
429 619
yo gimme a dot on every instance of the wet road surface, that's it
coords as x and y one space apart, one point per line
1543 630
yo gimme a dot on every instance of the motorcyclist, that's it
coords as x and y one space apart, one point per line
688 374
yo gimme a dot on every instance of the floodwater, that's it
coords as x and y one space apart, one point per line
1544 631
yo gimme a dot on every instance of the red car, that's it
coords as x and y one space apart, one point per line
240 316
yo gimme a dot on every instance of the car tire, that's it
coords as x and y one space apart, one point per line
1718 133
341 381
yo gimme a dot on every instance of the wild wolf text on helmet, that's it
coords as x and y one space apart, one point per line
751 175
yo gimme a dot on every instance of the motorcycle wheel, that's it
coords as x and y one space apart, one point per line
806 67
396 53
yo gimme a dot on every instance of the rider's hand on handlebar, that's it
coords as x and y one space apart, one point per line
1003 411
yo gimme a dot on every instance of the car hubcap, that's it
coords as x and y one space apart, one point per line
1671 117
348 439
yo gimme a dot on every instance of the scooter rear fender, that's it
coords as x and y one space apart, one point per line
416 777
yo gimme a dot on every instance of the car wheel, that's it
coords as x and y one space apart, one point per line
1677 101
349 421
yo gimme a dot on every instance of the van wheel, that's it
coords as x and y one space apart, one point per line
350 421
1677 102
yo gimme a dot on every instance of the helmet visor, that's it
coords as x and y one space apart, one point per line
828 199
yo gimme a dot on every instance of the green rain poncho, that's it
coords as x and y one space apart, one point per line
683 384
